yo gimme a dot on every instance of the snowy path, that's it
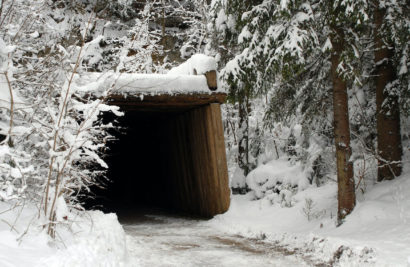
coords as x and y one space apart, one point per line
169 241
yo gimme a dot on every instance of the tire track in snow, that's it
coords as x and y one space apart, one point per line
174 241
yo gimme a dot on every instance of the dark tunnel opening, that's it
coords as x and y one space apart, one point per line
167 158
139 175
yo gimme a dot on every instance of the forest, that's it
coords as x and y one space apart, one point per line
316 121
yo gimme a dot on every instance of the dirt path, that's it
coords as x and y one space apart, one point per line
168 241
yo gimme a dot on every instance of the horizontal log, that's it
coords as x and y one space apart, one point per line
167 100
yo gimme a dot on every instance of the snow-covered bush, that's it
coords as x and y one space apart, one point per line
310 211
14 163
278 181
53 135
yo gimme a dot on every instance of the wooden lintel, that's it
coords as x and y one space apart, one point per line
178 100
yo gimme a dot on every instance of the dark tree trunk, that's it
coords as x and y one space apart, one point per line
387 109
243 136
346 189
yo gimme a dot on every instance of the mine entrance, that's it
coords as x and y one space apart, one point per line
169 155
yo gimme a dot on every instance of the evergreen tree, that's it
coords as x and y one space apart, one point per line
391 37
345 179
300 54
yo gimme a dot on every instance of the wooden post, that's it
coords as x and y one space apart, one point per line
200 170
211 80
219 180
210 171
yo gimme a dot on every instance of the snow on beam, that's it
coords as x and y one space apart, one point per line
127 84
196 75
199 64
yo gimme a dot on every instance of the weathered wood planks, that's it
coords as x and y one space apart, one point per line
199 162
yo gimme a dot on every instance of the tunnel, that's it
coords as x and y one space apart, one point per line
167 155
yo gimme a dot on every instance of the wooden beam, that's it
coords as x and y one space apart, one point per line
167 100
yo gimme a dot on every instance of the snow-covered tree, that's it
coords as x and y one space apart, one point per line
391 40
295 54
52 134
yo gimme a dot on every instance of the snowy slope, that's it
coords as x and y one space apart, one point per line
377 233
96 239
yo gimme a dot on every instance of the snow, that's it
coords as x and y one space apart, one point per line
4 66
196 65
238 178
186 78
221 20
93 239
377 233
244 35
158 240
102 243
141 84
266 176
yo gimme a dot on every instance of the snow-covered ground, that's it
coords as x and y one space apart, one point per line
253 232
173 241
377 233
96 239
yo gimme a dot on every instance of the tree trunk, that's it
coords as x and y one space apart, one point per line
346 190
243 135
389 145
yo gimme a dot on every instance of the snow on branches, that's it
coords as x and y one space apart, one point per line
51 136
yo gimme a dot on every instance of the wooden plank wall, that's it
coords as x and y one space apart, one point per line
197 163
